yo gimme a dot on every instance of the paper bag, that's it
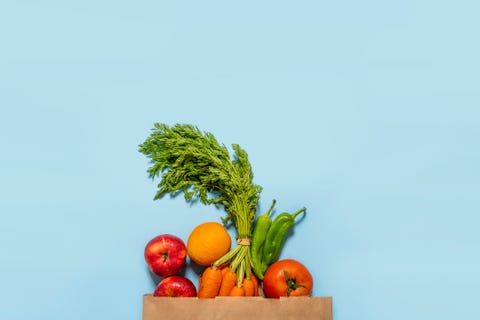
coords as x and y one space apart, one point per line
236 308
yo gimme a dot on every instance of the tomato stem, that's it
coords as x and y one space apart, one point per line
292 284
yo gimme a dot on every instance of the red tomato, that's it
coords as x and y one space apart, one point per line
287 278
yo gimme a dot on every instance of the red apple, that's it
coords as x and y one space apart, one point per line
175 286
165 255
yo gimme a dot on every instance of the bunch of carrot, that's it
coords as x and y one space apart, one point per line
222 281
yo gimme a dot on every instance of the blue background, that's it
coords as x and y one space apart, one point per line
365 112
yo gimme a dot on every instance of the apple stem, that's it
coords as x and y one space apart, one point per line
164 256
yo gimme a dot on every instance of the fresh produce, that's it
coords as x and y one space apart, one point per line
188 161
175 286
268 238
250 288
286 278
229 280
260 230
276 235
237 291
209 283
165 255
208 242
192 162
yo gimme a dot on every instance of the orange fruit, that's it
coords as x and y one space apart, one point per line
207 243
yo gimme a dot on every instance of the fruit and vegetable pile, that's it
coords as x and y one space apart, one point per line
193 163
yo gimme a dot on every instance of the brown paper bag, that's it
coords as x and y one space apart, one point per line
236 308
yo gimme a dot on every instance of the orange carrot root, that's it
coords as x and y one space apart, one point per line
249 287
225 269
228 282
237 292
209 283
255 284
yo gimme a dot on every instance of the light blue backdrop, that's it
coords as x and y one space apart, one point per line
365 112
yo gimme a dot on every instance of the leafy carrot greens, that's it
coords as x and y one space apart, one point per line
192 162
